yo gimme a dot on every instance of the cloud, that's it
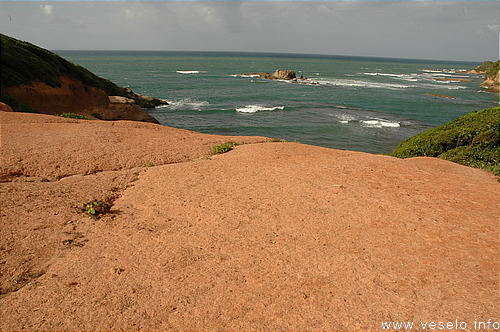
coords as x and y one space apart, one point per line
47 10
494 27
140 11
415 29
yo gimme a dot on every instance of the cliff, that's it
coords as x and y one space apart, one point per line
36 80
491 72
492 82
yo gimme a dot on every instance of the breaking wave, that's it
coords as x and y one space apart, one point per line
379 123
257 108
370 122
185 104
363 84
189 71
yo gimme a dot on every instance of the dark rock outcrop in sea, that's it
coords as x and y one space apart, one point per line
36 80
281 75
277 75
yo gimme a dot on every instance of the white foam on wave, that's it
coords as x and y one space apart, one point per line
257 108
186 104
246 75
364 84
189 71
345 118
404 77
443 84
370 122
427 77
379 123
385 74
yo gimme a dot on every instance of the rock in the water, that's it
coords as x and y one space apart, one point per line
143 101
283 75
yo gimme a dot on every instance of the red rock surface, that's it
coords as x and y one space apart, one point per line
269 236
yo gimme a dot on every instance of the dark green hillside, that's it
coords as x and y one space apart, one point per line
23 63
471 140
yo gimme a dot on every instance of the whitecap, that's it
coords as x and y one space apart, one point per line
186 104
442 85
385 74
188 71
364 84
246 75
257 108
379 123
345 118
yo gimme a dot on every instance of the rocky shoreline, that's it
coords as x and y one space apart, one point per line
36 80
491 73
75 97
268 236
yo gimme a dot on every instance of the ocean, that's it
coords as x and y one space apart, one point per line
351 103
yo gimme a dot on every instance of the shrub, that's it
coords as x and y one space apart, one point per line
223 148
472 140
75 116
492 70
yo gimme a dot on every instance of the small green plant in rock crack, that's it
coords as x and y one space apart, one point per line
96 208
223 148
75 116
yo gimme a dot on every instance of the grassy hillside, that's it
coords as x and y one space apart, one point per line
471 140
23 63
489 68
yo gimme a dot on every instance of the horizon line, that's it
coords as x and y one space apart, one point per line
270 53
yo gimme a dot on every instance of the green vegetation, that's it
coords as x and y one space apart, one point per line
492 70
75 116
97 208
23 63
472 140
489 68
223 148
16 105
484 66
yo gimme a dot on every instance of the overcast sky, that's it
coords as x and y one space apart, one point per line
440 30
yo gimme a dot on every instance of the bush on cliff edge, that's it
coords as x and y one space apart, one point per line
471 140
23 63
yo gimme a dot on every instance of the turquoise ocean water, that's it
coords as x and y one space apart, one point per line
352 103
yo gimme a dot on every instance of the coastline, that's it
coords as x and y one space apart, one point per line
130 225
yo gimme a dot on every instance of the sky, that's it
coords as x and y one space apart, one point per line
435 30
